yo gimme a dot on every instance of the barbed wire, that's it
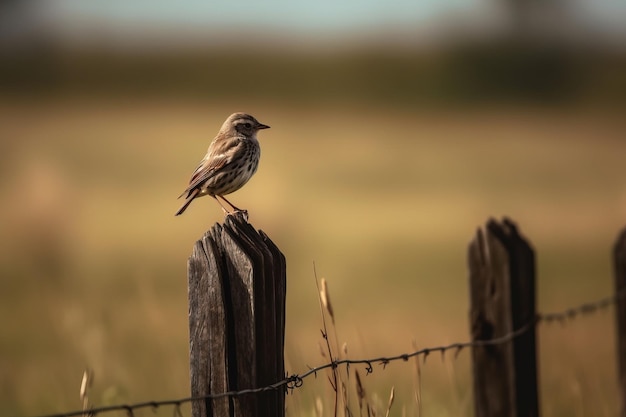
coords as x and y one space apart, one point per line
294 381
582 309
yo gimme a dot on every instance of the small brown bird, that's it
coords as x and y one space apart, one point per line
232 159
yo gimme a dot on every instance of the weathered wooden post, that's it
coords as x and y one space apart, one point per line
619 268
502 300
237 288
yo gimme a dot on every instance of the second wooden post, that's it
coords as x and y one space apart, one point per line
502 301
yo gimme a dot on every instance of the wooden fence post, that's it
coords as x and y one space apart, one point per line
502 300
619 268
237 288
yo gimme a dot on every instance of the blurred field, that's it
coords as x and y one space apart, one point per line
383 199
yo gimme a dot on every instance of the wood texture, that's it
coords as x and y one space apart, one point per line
237 292
619 268
502 300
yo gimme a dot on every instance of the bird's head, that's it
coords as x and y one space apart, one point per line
244 124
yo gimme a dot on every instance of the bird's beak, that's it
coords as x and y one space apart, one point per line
262 126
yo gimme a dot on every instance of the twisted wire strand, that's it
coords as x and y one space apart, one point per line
295 381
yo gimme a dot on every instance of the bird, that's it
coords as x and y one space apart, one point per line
231 160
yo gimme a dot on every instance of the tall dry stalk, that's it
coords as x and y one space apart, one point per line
417 382
85 384
390 402
326 306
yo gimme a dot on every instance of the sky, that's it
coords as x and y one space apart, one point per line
315 16
292 20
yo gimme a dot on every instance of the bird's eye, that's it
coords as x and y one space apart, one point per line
247 125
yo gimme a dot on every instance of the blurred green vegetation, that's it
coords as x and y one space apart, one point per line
514 70
379 167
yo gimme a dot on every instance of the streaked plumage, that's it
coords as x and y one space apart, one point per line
232 159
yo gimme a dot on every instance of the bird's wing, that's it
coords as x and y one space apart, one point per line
217 158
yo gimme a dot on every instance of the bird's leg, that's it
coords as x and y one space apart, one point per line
232 205
237 209
224 209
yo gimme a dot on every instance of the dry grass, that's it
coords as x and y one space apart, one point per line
340 383
384 200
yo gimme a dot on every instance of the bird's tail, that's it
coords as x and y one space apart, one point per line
188 201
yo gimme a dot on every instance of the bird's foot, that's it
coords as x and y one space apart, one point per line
244 213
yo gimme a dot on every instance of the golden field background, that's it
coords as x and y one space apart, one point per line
397 130
383 198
